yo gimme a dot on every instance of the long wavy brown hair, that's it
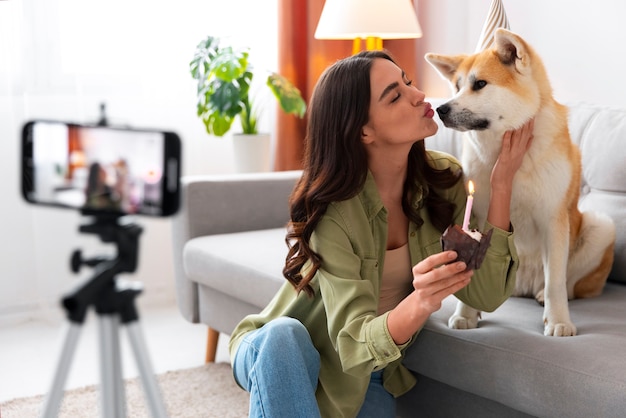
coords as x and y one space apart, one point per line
335 163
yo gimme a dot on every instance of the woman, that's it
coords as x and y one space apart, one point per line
365 268
98 194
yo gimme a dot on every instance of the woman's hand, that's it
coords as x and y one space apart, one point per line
514 146
434 278
437 277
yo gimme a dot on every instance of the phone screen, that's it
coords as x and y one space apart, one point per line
100 168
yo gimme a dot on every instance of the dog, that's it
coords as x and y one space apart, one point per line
563 253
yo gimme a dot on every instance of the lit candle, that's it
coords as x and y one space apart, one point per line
468 206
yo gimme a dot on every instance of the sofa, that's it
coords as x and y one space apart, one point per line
229 249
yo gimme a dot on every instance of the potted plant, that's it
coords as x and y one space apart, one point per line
224 76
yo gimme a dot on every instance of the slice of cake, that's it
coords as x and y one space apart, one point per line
471 246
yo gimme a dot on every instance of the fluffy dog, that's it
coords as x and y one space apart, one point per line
564 254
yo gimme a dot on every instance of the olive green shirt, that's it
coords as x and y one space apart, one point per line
342 318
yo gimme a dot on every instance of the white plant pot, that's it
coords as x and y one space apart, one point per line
252 152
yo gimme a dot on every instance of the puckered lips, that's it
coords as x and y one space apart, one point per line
428 110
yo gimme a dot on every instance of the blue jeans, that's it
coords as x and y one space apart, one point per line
279 366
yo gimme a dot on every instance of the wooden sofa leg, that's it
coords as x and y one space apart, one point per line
211 345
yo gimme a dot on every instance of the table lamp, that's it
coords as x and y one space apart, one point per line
372 20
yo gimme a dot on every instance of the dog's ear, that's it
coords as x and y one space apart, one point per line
511 49
446 65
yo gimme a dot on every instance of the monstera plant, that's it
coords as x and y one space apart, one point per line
224 76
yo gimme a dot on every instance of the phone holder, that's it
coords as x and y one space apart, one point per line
114 304
91 291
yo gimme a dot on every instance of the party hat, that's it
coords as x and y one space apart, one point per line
495 19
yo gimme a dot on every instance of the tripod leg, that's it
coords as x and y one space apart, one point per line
113 400
120 391
148 379
118 377
54 397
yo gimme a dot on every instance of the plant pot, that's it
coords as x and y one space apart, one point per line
252 152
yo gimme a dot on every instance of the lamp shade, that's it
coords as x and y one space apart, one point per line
351 19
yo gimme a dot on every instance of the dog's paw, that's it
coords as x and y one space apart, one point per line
462 322
559 329
539 297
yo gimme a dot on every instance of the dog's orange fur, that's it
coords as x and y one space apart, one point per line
593 283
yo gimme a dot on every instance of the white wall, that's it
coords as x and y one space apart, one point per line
60 58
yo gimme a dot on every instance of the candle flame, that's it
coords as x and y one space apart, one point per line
470 186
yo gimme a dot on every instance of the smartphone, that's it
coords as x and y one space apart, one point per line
101 169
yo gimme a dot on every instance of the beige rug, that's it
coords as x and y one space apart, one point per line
206 391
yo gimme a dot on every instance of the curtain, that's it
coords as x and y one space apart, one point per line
302 59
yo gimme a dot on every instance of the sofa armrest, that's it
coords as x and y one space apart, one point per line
219 204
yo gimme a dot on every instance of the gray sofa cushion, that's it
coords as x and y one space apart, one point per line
509 360
600 134
247 265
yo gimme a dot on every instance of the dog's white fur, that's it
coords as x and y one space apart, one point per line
563 253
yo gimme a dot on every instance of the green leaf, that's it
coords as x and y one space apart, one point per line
217 124
243 84
248 119
288 95
229 65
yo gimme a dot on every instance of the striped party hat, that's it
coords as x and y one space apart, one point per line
495 19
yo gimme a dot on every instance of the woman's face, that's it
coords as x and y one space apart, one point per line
398 114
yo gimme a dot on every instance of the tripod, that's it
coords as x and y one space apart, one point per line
114 305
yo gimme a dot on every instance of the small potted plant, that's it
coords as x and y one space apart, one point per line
224 76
